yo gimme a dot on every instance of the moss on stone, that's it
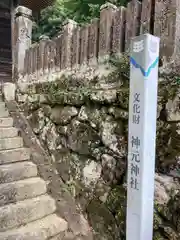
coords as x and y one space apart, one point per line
158 236
100 127
157 218
116 202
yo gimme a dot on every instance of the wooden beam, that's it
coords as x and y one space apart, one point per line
35 5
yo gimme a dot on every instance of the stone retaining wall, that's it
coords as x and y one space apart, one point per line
82 122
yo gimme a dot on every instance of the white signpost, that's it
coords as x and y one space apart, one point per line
142 135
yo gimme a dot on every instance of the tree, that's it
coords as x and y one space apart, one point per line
84 10
81 11
50 21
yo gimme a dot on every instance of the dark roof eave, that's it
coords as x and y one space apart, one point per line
36 5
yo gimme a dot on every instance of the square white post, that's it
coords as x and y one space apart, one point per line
142 136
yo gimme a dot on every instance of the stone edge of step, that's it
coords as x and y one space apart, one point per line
21 190
39 226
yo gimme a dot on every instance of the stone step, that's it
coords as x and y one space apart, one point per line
6 122
21 190
10 143
17 171
8 132
14 155
4 113
2 106
38 230
20 213
59 237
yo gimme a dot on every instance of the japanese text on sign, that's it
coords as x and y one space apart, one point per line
136 108
135 145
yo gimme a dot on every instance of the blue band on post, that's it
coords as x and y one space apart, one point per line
144 73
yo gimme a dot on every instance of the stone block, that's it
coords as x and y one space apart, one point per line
81 137
84 35
166 26
41 57
21 190
30 65
9 91
105 30
34 58
14 155
47 227
133 14
17 171
4 113
6 122
118 31
75 47
60 115
23 32
10 143
15 215
9 132
146 16
67 33
173 110
46 57
58 42
26 65
51 56
93 41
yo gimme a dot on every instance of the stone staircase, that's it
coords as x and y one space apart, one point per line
27 212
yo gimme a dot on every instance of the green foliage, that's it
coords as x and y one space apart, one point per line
50 21
84 10
52 17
